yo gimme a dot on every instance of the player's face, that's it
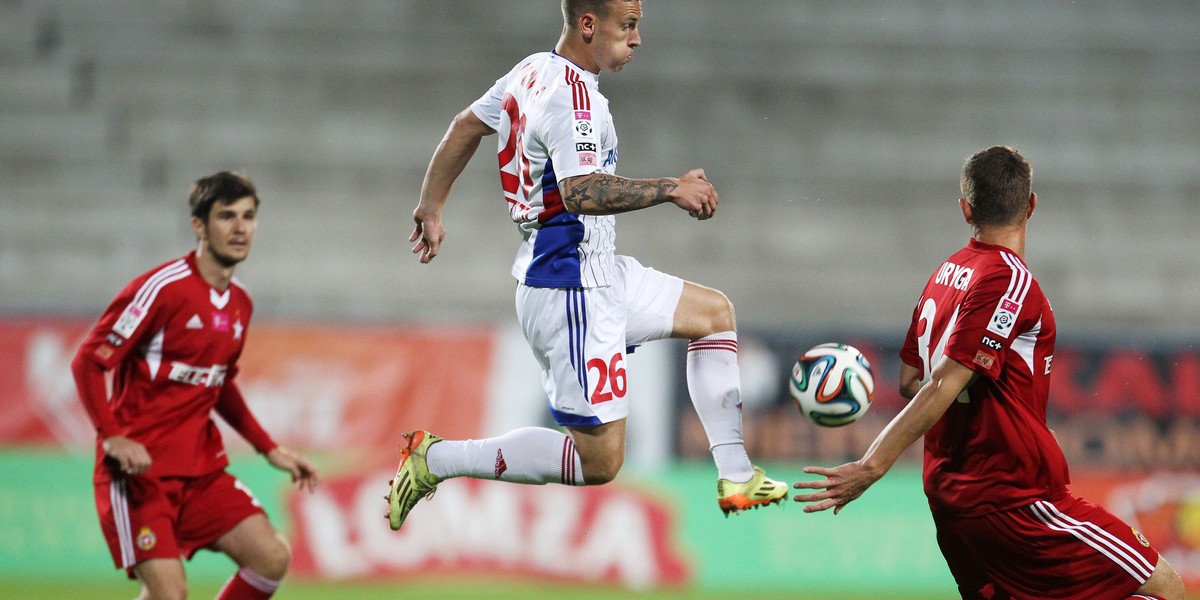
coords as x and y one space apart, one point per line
617 35
230 231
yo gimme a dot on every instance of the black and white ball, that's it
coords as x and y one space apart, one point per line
832 385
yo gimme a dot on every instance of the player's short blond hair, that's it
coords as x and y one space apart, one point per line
573 9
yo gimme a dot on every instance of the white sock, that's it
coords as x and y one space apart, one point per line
533 455
715 387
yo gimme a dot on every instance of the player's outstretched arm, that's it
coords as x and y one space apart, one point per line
304 473
451 157
604 194
847 482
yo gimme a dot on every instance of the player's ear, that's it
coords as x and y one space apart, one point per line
966 211
198 227
1032 205
587 26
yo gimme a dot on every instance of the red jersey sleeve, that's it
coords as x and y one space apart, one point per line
125 324
985 318
233 409
908 350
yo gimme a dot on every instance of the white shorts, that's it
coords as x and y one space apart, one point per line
580 338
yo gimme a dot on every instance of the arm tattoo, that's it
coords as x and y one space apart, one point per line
604 194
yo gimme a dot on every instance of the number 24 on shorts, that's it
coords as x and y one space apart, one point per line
611 382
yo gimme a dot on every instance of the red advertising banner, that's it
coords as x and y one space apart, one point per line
313 387
1112 405
611 534
1165 506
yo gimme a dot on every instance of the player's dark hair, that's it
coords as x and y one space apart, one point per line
997 182
573 9
225 187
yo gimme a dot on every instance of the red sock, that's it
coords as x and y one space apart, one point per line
248 585
1143 597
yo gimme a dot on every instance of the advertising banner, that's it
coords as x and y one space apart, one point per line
1129 421
313 387
1113 405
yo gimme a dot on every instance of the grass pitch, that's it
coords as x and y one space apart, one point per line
308 590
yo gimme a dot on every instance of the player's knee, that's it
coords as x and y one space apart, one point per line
171 591
719 313
273 561
713 314
601 470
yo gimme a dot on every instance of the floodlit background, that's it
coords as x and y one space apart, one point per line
834 133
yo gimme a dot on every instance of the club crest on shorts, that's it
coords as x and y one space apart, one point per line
146 539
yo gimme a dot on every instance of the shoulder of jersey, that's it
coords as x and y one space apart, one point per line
237 283
158 278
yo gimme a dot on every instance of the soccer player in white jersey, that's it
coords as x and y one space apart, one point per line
579 303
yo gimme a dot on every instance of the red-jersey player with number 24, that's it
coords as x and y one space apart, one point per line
976 363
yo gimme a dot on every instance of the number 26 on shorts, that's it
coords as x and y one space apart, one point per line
611 382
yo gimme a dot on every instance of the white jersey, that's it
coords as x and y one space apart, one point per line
553 123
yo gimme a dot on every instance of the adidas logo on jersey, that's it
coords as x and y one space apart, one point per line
195 323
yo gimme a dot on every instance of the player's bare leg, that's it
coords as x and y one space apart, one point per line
162 579
601 450
706 317
262 555
1164 583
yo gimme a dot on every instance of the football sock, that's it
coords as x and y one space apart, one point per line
1143 597
533 455
248 585
713 382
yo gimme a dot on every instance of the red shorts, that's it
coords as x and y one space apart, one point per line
1067 548
172 517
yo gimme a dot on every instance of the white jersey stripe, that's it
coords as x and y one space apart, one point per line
1019 285
149 300
1103 542
145 295
154 353
120 509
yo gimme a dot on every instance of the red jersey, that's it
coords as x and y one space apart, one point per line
172 341
991 450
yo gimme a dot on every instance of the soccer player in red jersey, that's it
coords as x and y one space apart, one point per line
976 364
171 339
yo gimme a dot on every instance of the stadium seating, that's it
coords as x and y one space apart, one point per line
833 131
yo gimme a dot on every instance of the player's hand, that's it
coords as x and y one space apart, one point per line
304 473
131 456
841 486
428 234
695 195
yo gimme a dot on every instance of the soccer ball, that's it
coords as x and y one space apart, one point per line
832 385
